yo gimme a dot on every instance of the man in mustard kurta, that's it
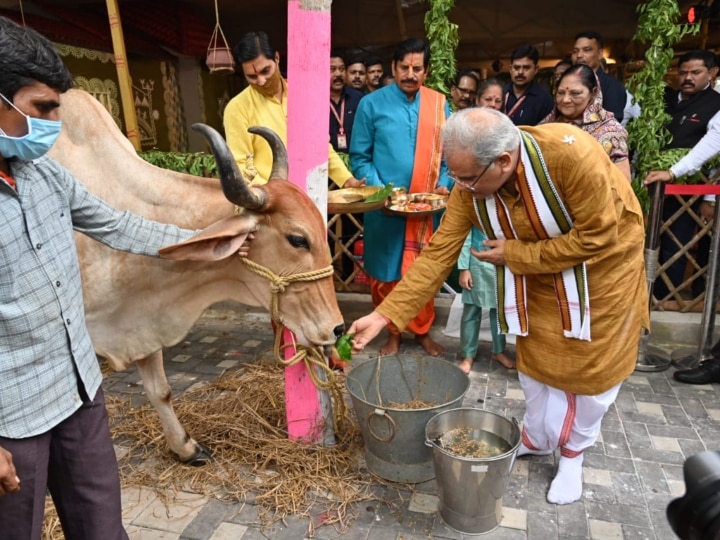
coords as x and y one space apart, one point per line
264 103
567 236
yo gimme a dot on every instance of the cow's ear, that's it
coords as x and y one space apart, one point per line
218 241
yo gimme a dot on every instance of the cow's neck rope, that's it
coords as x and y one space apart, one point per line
311 356
278 283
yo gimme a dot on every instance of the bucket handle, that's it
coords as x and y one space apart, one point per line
382 413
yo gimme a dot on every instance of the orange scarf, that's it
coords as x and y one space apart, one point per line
426 170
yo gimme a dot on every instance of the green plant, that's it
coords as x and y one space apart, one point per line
196 163
648 136
443 38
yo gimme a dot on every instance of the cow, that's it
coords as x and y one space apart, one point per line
136 305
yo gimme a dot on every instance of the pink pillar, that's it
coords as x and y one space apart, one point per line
309 413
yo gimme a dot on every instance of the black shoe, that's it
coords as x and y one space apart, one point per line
706 373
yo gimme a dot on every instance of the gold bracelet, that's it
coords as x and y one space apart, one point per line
672 175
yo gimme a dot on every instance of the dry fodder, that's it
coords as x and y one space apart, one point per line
51 525
241 417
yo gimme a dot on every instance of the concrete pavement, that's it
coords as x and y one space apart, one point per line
630 475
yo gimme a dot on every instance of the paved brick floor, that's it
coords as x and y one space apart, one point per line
630 475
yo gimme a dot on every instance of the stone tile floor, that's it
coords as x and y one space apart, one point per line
629 476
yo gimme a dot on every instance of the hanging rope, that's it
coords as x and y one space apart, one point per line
312 357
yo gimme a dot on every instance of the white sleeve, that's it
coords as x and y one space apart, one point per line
704 150
632 109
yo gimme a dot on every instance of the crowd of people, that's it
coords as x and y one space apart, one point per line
536 267
541 221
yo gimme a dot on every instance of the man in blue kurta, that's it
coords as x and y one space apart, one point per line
396 138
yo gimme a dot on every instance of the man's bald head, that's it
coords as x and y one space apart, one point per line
485 132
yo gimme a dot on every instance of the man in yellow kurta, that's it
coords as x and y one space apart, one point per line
566 235
264 103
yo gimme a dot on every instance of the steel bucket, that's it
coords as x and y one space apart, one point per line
471 489
393 436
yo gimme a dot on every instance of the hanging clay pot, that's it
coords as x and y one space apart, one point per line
220 60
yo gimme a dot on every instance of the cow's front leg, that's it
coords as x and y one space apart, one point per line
159 393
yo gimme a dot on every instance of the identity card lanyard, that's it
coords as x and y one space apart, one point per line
341 138
515 107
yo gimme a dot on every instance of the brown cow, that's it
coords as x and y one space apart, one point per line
137 305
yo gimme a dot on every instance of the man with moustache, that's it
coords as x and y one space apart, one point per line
356 76
264 103
588 50
374 72
694 124
344 102
463 92
396 138
567 239
526 102
54 434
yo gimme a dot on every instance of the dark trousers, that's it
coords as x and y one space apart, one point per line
76 462
684 228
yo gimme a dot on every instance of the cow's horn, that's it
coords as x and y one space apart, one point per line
236 190
279 153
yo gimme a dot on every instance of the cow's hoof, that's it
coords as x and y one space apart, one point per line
202 456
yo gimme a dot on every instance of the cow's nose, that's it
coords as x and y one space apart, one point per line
339 330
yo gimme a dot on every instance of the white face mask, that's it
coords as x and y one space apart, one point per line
40 137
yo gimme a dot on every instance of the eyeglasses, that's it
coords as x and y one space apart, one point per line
468 183
464 91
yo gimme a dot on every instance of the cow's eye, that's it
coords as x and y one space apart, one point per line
298 241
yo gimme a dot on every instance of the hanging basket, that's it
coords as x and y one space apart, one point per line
219 55
220 60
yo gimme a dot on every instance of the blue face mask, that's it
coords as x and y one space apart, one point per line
40 137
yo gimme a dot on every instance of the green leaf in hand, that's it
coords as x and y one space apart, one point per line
344 347
381 195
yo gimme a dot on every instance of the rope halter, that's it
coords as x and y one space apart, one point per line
312 357
278 283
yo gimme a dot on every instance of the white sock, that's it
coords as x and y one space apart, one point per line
524 451
566 487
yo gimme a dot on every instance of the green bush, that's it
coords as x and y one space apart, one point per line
658 26
197 163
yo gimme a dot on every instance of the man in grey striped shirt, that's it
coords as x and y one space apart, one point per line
53 423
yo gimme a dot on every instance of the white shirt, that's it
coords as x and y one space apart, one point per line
704 150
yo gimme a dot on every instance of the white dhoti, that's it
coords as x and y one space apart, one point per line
558 419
